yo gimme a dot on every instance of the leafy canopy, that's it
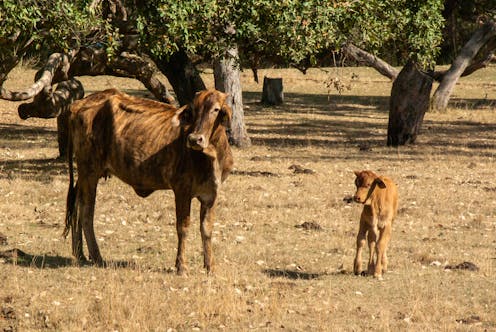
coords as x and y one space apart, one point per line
286 31
292 31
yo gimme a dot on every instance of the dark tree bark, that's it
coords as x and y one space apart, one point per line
485 34
227 79
182 75
272 91
408 103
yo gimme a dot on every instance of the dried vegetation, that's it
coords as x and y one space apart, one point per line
284 239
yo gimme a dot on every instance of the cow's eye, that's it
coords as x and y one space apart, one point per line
216 110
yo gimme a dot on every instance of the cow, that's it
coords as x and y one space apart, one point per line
150 146
379 196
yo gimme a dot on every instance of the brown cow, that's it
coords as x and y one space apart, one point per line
150 146
379 196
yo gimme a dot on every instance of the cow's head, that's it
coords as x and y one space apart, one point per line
207 112
366 182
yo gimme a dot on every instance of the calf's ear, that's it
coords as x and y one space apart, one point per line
357 173
182 116
380 183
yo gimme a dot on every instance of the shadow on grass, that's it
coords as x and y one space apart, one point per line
291 274
20 258
43 170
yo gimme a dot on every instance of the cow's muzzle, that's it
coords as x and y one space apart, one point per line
197 141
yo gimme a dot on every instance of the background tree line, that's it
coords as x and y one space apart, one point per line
140 39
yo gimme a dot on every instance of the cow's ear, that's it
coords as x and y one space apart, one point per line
182 116
226 113
380 183
357 173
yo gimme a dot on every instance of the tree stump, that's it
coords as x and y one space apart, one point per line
409 101
272 93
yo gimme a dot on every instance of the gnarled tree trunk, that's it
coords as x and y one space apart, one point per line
227 79
408 103
482 36
182 75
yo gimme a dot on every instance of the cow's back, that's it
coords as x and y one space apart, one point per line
127 136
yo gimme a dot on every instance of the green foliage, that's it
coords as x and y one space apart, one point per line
51 25
398 28
286 31
292 31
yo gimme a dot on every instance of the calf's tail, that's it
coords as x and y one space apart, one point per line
71 194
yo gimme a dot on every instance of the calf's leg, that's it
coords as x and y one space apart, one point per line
360 242
372 238
207 216
183 208
385 235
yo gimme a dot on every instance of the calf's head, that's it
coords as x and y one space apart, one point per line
366 182
207 112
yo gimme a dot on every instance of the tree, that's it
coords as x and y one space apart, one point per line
475 54
133 38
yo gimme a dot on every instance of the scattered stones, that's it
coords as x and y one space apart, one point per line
469 320
310 225
297 169
348 199
463 266
3 240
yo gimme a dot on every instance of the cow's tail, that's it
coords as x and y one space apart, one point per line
71 194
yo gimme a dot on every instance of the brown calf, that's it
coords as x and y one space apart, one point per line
150 146
379 196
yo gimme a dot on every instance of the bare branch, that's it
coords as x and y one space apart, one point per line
57 64
370 60
483 62
143 69
51 105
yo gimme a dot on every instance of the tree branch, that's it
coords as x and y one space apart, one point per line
483 62
57 64
370 60
51 105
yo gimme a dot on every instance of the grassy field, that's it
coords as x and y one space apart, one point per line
271 273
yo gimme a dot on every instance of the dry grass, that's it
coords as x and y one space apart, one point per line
270 274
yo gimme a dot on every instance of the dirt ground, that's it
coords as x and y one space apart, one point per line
284 240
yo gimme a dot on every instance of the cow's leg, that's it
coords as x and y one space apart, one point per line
183 207
86 211
207 216
372 239
77 232
360 242
385 235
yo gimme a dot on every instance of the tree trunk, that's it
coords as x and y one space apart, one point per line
482 36
182 75
408 103
272 93
227 79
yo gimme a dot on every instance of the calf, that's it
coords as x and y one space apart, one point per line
379 196
150 146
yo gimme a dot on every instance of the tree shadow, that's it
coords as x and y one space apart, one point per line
42 170
291 274
27 136
306 120
20 258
